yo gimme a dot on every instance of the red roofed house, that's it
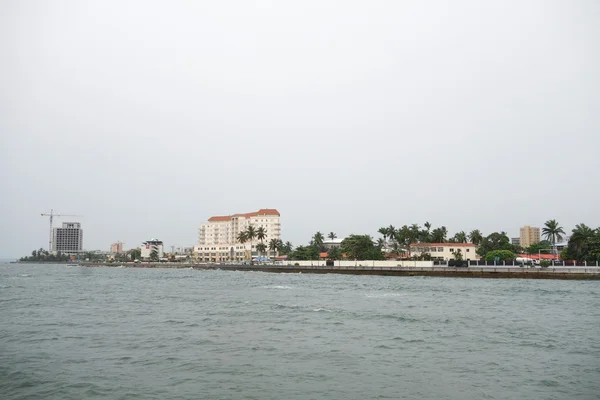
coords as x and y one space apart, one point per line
217 238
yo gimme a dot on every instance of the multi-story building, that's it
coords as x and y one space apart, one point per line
149 246
516 241
445 251
116 248
68 239
529 235
217 238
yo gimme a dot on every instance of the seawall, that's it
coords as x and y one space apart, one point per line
581 273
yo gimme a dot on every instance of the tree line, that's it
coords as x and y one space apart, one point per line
583 244
45 256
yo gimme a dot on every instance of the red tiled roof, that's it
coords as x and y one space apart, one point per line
262 211
219 219
541 256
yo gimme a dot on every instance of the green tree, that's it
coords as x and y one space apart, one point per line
261 233
495 241
334 253
457 254
317 241
135 254
475 237
305 253
460 237
500 255
438 235
286 249
584 244
552 231
242 238
332 236
384 232
250 235
154 255
360 247
260 248
275 245
539 247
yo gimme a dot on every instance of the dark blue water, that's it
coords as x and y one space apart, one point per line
110 333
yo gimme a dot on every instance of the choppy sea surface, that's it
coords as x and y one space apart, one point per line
69 332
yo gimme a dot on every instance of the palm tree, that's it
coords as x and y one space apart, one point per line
287 247
437 236
260 248
242 238
444 231
332 235
392 233
552 231
318 240
384 232
460 237
580 237
261 233
250 235
275 244
475 237
424 235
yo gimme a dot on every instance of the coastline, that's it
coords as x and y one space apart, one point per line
570 273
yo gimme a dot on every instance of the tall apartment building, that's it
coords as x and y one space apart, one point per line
217 238
529 235
68 239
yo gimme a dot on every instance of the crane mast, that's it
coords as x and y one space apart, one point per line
52 215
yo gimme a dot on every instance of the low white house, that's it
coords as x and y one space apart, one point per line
147 247
445 251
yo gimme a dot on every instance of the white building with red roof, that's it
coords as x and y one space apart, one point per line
217 238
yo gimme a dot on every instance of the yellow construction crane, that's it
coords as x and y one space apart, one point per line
52 215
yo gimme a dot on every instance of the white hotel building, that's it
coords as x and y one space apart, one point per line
217 239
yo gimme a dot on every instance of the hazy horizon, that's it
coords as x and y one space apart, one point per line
149 117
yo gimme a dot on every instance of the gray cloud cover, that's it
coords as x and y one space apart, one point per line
148 117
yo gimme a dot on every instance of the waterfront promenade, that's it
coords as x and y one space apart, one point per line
582 273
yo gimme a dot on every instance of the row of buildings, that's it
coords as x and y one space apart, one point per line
218 239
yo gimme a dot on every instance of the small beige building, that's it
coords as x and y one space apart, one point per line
445 251
529 235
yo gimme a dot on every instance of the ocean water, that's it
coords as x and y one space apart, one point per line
70 332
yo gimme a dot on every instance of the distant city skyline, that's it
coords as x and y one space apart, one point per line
147 118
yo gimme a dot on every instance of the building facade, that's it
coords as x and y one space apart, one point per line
68 239
445 251
149 246
516 241
116 248
529 235
217 238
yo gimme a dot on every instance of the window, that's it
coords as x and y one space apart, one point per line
468 250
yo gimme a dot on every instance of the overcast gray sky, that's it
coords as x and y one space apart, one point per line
148 117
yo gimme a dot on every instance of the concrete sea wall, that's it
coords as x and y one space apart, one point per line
589 273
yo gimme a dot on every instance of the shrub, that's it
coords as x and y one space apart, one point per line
544 263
